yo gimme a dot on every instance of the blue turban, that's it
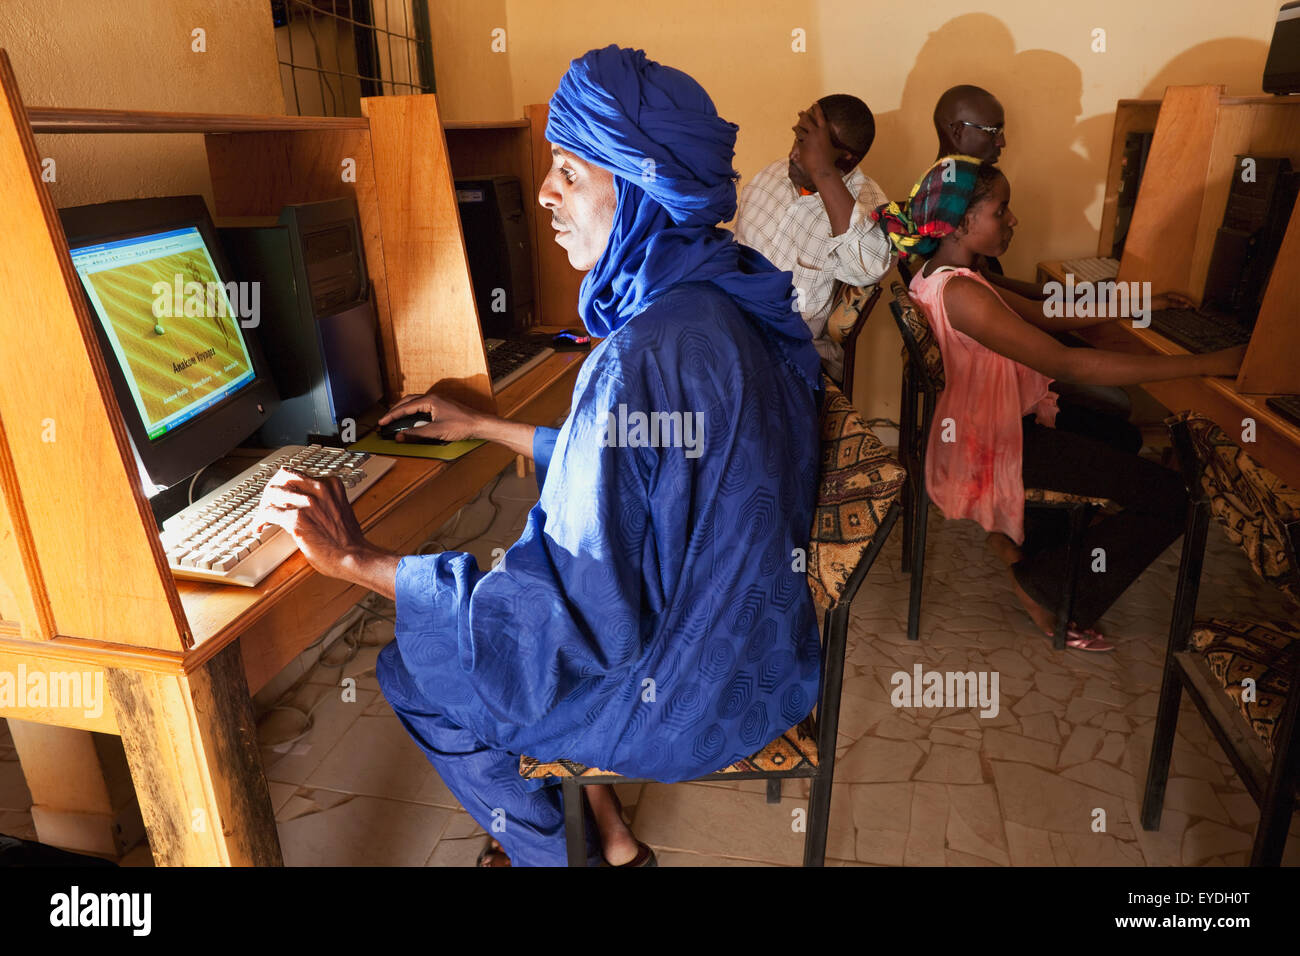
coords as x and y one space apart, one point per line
657 131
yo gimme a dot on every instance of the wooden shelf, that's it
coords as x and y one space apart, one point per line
47 119
521 123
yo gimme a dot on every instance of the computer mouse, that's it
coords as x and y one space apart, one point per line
569 341
390 431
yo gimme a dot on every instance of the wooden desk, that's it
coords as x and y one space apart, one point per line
85 591
185 719
1277 441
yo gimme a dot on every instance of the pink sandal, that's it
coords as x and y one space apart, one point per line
1085 639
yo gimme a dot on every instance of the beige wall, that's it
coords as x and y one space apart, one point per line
136 54
1035 55
473 82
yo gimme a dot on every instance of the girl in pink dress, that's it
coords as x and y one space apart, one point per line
994 428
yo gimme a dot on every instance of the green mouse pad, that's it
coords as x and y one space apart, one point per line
375 445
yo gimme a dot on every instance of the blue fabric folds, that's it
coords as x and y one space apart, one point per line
651 619
657 131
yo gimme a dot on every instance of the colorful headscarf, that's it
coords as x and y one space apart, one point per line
657 131
934 209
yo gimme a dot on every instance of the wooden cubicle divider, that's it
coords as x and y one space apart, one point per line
82 533
1131 116
398 169
433 314
1162 235
1272 365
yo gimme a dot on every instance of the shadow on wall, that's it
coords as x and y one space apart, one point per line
1054 158
1236 62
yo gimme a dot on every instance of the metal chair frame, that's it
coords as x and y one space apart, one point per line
1273 789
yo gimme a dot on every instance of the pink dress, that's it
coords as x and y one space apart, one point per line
973 460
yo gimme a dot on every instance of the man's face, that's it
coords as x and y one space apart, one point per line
976 142
844 158
582 200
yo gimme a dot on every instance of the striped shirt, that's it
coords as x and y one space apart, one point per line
794 233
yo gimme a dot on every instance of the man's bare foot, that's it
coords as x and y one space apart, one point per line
616 840
1006 549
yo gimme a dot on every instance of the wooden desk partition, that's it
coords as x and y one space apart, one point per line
1162 236
84 586
1131 116
75 520
1272 365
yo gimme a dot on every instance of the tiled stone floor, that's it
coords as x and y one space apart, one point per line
913 786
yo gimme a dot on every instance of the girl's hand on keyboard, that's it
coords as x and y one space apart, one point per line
1170 300
450 420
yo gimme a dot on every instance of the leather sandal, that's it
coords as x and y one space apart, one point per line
645 856
492 854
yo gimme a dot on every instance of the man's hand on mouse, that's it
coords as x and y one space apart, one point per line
317 515
448 420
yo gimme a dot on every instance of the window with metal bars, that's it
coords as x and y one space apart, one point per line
334 52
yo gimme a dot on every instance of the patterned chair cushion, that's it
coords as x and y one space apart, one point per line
913 323
1267 652
859 480
848 306
1257 511
796 749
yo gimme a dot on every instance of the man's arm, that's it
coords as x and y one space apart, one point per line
452 421
837 199
975 310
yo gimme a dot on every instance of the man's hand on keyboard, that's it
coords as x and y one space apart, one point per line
449 420
317 514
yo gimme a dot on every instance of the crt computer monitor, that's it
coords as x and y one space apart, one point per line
187 373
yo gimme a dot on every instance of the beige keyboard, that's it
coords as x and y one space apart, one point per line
1091 270
213 539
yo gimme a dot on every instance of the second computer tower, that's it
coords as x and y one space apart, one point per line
500 262
318 326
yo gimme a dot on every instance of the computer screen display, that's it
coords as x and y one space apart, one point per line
169 321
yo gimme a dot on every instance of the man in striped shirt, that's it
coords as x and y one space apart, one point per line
810 213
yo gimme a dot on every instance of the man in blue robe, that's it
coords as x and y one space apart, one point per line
653 619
